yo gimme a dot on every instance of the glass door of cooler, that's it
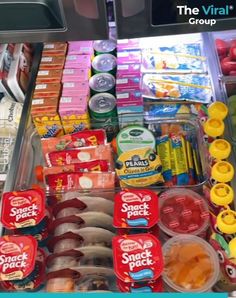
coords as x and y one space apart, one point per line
139 18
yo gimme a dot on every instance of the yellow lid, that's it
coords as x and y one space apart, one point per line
220 149
218 110
222 171
214 127
226 221
222 194
232 248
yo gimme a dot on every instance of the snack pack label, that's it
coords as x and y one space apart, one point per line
17 257
141 287
139 167
21 209
137 257
135 209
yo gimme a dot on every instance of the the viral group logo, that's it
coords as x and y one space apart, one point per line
210 11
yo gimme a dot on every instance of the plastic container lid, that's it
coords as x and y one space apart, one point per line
222 194
183 212
218 110
220 149
214 127
222 171
226 221
193 261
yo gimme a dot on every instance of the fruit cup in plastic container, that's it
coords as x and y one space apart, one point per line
183 211
191 265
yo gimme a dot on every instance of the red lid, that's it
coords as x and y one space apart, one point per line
135 209
141 287
137 257
17 255
22 209
39 173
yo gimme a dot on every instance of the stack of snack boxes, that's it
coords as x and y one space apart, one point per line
47 92
61 94
73 107
128 92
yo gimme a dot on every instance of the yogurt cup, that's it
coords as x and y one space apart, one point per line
183 211
191 265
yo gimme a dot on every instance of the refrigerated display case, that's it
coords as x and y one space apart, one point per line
66 17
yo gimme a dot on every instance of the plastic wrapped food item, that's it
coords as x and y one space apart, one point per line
86 180
165 111
193 88
135 209
84 256
91 166
81 204
169 59
85 219
88 236
183 212
10 115
83 279
137 257
66 157
191 264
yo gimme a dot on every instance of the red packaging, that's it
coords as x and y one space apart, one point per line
137 257
79 139
18 255
135 209
91 166
89 180
22 209
142 287
67 157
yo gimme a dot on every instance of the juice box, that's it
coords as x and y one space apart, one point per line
80 48
76 75
78 61
52 62
75 88
55 49
49 76
47 90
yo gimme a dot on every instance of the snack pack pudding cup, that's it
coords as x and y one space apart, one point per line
183 212
191 265
218 110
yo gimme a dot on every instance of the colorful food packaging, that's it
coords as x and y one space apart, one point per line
55 49
78 62
47 91
139 167
52 62
76 75
165 110
135 209
141 287
82 181
52 76
82 204
84 47
164 151
76 140
128 57
126 70
137 258
193 88
22 209
75 88
66 157
18 255
91 166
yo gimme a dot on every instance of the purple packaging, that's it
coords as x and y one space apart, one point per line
129 57
80 48
75 89
76 75
127 83
124 104
128 44
78 61
128 70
